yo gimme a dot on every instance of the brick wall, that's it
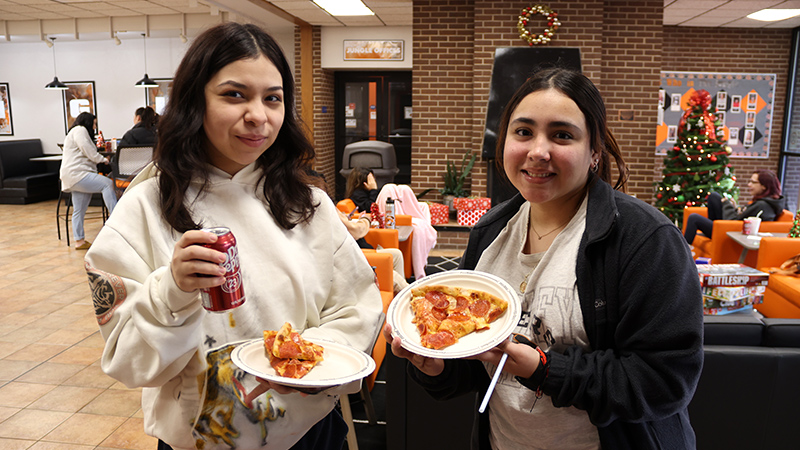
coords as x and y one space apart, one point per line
630 79
323 85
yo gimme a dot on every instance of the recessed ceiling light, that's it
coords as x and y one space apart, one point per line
345 7
772 15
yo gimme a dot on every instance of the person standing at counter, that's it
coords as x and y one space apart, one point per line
608 347
144 128
79 174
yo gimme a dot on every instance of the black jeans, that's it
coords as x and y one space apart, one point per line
327 434
706 225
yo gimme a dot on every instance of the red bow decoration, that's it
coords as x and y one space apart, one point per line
702 99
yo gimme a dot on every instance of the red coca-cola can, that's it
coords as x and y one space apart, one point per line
230 294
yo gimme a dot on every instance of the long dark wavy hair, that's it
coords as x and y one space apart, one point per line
358 176
584 93
181 153
85 120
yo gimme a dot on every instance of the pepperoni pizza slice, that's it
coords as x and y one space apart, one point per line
289 354
443 314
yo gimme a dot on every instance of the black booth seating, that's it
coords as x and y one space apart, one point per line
24 181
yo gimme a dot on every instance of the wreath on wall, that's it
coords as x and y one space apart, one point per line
552 24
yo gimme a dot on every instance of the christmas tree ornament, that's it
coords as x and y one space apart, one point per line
552 24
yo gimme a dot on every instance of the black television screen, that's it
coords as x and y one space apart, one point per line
512 66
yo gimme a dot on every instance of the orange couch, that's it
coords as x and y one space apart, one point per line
723 249
782 297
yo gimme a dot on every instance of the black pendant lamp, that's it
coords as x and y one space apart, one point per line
145 82
55 84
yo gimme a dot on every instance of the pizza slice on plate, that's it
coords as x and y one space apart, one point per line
289 354
443 314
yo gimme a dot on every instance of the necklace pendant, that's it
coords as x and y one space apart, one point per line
523 285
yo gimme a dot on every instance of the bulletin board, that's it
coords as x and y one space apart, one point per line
742 101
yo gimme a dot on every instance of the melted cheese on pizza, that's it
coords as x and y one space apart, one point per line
289 354
443 314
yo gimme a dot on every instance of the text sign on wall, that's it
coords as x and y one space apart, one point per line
741 101
373 50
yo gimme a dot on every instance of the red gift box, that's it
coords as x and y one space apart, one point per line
440 214
469 217
469 210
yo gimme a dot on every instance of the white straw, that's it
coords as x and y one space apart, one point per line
493 383
759 213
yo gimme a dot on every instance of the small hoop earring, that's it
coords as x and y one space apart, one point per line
595 166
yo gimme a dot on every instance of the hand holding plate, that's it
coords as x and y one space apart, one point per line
429 366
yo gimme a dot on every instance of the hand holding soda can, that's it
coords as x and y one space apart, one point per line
229 294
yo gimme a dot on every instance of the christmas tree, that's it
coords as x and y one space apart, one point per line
795 231
698 164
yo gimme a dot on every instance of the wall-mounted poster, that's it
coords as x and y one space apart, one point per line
157 97
78 97
6 126
744 100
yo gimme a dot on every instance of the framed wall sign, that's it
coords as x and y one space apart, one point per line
377 50
78 97
742 102
157 97
6 125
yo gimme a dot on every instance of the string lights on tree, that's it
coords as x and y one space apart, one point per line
699 163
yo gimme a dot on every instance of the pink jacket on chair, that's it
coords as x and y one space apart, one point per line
424 233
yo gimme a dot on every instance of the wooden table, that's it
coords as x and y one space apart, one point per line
750 241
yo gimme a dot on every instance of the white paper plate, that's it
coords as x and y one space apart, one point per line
400 315
340 365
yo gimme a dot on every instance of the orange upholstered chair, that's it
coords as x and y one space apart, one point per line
725 250
346 205
782 297
382 262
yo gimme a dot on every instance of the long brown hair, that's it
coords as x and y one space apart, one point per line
356 179
584 93
181 154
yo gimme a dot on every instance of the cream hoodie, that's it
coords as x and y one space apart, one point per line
160 338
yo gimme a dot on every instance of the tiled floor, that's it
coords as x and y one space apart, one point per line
53 395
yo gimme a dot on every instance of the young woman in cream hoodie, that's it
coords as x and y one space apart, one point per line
231 153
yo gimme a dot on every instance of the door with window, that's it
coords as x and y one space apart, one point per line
373 106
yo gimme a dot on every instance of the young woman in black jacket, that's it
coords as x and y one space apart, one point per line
767 203
608 349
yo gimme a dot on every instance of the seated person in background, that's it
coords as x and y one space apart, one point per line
358 225
362 188
144 128
767 201
358 228
79 175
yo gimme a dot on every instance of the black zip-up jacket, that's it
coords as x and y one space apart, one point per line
642 309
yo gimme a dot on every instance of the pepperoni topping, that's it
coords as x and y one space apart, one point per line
461 304
480 308
494 314
439 314
441 339
459 317
438 299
